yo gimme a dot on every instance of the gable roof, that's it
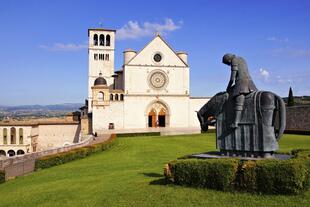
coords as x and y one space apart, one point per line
162 39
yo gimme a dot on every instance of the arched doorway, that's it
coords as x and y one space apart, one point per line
152 118
20 152
11 153
162 118
2 153
157 114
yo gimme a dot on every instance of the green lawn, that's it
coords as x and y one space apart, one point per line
130 174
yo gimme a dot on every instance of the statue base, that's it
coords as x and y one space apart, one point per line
241 155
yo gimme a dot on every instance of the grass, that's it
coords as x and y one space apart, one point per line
130 174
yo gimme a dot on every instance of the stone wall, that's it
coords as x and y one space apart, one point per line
298 118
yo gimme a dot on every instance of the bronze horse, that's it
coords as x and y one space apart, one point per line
260 128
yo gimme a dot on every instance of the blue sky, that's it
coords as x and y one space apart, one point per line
43 44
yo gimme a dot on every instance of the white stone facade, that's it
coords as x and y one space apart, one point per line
153 83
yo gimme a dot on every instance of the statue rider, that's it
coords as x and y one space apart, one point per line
240 84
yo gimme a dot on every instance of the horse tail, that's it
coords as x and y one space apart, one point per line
282 116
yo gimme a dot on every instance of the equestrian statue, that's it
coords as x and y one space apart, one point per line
249 122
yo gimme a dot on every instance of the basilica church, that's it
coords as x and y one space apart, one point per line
152 89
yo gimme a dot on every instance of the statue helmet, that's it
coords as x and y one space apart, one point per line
227 58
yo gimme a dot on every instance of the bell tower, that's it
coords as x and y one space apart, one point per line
100 57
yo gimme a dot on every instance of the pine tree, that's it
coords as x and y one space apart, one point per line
290 100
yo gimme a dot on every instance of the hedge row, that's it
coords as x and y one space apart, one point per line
263 176
138 134
2 176
64 157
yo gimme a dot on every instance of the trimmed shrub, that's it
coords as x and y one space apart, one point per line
79 153
138 134
215 174
264 176
2 176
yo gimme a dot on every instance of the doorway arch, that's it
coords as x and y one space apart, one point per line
11 153
20 152
157 113
2 153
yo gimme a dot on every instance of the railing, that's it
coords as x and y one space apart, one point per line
22 158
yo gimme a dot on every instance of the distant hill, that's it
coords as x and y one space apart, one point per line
299 100
36 111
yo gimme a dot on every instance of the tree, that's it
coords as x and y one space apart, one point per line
290 100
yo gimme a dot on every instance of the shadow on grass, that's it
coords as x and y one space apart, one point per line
161 181
153 175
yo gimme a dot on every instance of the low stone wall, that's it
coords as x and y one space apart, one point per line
298 118
20 165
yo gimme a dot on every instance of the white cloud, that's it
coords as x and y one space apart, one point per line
264 73
64 47
133 30
292 52
276 39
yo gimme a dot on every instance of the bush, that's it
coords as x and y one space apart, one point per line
138 134
79 153
2 176
264 176
215 174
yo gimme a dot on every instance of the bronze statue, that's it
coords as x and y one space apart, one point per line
248 122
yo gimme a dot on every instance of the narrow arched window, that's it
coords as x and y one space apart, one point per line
101 40
95 39
5 136
111 97
116 97
21 136
100 96
108 40
107 57
122 97
13 135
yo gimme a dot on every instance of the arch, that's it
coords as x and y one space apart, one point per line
122 97
13 135
116 97
5 136
152 118
162 116
100 96
2 153
95 39
20 152
111 97
101 40
11 153
108 40
66 144
21 136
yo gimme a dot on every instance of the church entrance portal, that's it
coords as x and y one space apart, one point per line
157 115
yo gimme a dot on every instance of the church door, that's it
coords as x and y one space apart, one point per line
152 118
162 118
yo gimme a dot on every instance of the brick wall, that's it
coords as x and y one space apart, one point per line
298 118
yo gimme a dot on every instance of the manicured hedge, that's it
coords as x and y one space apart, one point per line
2 176
263 176
215 174
138 134
64 157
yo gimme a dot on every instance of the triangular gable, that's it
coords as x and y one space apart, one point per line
157 45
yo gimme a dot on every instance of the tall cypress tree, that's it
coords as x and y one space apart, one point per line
290 100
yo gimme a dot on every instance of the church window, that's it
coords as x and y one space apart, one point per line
21 136
122 97
100 96
106 56
95 39
5 136
96 56
157 57
116 97
13 135
101 40
108 39
111 97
